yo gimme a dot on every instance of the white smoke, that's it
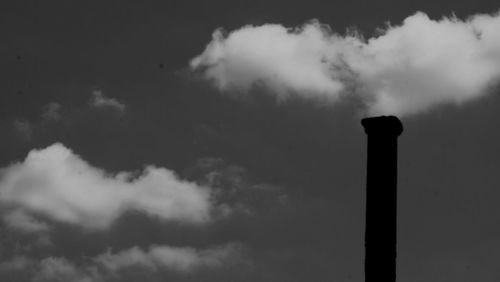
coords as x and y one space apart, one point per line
407 69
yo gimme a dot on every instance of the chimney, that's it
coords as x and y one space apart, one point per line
381 197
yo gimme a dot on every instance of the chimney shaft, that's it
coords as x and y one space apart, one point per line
381 198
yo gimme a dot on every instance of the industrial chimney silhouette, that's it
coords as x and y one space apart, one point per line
381 197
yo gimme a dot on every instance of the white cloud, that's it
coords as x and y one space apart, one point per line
281 59
56 183
407 69
99 100
182 259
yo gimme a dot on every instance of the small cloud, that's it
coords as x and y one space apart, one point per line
181 259
99 100
51 112
22 221
15 263
24 128
60 269
235 190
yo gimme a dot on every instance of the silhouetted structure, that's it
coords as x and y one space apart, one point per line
381 198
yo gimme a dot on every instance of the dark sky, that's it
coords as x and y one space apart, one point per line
297 166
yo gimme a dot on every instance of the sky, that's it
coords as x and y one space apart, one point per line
221 140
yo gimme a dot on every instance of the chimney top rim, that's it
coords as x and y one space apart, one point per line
385 125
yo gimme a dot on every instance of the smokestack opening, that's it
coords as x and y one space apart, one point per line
381 197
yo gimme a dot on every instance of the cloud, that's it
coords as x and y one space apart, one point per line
27 130
234 190
15 263
112 266
270 54
24 128
55 183
183 259
51 112
99 100
20 220
406 69
48 269
60 269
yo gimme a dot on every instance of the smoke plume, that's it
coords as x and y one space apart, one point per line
408 68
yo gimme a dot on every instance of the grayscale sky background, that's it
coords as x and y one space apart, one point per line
143 170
